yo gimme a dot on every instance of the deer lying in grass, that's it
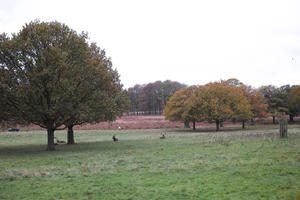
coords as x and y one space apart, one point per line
115 138
163 136
59 141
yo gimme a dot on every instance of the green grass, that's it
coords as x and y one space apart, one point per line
231 164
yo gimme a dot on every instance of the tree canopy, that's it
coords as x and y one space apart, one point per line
177 108
217 101
279 100
51 76
220 101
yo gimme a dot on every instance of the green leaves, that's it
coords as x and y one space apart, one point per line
51 76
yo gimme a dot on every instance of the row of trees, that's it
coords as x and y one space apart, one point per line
284 99
230 100
52 77
151 98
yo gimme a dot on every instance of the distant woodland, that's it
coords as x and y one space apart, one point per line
151 98
268 100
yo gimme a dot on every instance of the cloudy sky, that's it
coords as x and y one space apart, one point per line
190 41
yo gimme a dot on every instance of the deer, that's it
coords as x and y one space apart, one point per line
59 141
163 136
115 138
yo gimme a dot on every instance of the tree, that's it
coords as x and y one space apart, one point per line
177 106
134 93
194 109
259 107
49 71
276 99
99 98
220 101
240 106
215 104
294 100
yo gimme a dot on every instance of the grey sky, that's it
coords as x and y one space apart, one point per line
193 42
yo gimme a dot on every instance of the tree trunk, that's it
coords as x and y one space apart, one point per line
283 128
243 124
252 121
291 118
50 145
186 124
274 120
217 125
194 125
70 135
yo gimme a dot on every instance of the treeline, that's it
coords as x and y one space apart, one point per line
232 100
151 98
284 99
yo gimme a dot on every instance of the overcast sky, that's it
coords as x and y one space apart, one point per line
193 42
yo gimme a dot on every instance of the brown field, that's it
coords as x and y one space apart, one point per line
125 122
145 122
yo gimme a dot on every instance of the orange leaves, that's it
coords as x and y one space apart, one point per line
216 101
259 107
177 105
221 101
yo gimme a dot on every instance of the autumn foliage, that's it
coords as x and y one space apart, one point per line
177 108
217 101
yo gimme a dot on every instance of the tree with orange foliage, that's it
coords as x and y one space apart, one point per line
219 102
259 107
176 108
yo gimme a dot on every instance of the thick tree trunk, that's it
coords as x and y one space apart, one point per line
291 118
217 125
274 122
50 145
194 125
186 124
70 135
243 124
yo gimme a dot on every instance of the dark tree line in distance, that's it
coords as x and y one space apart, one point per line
151 98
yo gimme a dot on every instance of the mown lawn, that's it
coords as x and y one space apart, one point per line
231 164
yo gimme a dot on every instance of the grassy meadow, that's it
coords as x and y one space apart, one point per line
230 164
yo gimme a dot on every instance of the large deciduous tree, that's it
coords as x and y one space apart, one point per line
259 107
277 100
51 76
98 98
222 101
177 108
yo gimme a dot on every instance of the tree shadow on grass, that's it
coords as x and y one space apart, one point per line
34 149
209 130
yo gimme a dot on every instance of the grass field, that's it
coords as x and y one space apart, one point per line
231 164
